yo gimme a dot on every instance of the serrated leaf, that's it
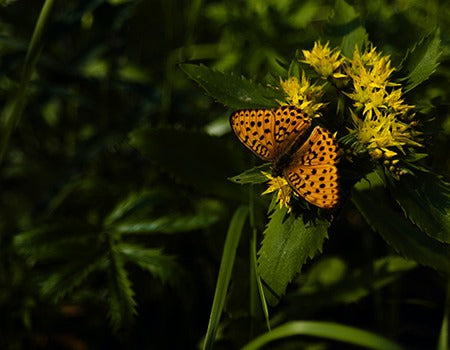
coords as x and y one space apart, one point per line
65 278
251 176
372 200
122 305
153 260
231 90
425 200
288 243
422 60
55 242
134 202
193 158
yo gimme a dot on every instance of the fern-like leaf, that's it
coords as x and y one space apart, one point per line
122 305
154 261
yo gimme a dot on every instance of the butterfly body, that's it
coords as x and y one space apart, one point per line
306 159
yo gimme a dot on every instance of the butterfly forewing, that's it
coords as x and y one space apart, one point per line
312 172
290 124
254 128
269 133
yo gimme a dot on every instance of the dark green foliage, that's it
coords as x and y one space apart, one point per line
424 198
231 91
374 204
121 185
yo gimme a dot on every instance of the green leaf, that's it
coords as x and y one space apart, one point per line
425 200
122 305
443 343
59 241
65 278
346 22
223 279
252 176
372 200
135 202
193 158
231 90
326 330
422 60
168 224
327 282
154 261
13 110
288 243
356 38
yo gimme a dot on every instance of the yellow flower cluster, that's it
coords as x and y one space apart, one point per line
372 91
378 134
303 94
382 120
325 61
284 190
380 123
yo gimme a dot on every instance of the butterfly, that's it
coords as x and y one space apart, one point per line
306 159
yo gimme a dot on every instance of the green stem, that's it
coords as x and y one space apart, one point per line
13 111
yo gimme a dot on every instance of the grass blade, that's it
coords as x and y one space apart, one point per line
11 112
226 267
443 336
326 330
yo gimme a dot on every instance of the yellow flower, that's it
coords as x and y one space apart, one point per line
325 61
371 100
369 69
303 95
383 132
284 190
395 102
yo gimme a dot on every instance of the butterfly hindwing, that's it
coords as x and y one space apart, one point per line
312 172
269 133
320 148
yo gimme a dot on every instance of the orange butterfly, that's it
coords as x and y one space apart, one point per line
307 160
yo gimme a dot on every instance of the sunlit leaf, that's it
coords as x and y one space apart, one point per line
288 243
422 60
